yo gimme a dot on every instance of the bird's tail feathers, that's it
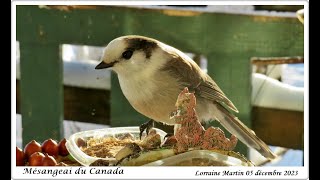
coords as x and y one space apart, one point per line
242 132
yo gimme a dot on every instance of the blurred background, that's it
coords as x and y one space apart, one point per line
255 54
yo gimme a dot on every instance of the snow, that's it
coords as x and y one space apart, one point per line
270 93
273 71
293 74
228 9
79 67
83 74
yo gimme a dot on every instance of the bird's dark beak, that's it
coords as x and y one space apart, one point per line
104 65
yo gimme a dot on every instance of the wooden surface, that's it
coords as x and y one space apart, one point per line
87 105
279 127
276 60
42 91
292 8
81 104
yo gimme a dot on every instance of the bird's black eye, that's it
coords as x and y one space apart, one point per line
127 54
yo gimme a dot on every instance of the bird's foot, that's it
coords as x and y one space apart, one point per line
146 126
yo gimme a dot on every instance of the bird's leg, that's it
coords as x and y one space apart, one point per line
146 126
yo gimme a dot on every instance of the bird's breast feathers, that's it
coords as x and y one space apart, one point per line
148 98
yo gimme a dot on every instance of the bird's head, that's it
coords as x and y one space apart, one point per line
129 54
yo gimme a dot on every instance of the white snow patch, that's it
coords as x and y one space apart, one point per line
82 74
270 93
293 74
228 9
79 63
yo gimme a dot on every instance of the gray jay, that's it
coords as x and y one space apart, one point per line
152 74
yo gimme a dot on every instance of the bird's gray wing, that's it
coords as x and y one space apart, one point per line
208 89
190 75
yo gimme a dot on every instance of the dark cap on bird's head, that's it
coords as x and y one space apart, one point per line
124 47
141 43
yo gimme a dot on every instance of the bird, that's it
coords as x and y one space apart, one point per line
151 75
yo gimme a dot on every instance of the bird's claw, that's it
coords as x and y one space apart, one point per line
146 126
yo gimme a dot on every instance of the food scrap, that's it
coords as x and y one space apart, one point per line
119 146
128 150
100 162
151 141
191 134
